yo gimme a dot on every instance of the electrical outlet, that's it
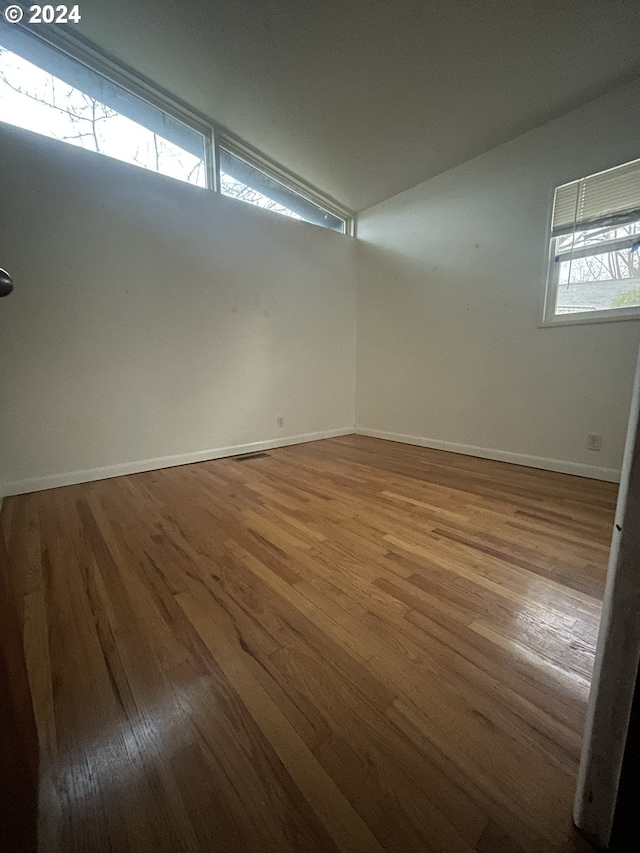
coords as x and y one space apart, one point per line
594 441
281 423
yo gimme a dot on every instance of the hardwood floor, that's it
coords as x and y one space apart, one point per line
349 645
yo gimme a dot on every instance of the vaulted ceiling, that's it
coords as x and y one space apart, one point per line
365 98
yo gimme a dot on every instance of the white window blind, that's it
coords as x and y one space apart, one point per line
606 198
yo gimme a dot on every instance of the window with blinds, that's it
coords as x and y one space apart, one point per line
594 259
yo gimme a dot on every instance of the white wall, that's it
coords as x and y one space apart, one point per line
153 322
450 286
153 319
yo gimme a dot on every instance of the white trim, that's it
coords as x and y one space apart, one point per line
88 475
254 158
549 316
590 317
594 472
83 51
607 731
79 49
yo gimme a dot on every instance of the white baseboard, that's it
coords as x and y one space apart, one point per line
38 484
594 472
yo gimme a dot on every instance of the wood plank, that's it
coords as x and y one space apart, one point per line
341 821
18 734
346 645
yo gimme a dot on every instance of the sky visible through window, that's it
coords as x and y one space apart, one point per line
37 100
229 186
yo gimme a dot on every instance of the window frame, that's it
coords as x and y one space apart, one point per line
80 50
258 161
549 318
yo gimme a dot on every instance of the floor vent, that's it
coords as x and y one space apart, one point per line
250 456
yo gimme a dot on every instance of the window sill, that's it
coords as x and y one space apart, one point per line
585 319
